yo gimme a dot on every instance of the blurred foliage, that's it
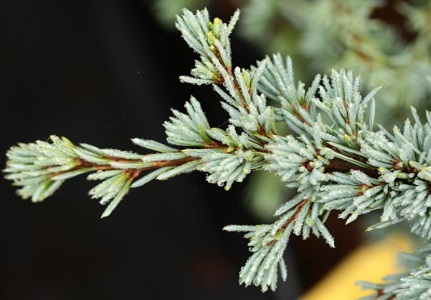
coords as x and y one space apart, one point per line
166 10
389 41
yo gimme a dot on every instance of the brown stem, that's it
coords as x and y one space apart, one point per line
291 219
170 163
342 166
132 172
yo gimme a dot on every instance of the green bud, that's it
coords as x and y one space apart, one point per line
210 38
278 235
216 26
347 138
246 76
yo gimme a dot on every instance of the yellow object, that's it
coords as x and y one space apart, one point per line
367 263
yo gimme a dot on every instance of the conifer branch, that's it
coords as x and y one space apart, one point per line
334 157
40 168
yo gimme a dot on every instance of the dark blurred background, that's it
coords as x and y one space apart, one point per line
102 72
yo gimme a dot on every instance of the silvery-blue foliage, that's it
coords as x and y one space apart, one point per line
334 156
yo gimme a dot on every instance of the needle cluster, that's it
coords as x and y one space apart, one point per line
335 157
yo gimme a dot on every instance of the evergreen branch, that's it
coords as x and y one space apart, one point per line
40 168
268 242
333 157
211 41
